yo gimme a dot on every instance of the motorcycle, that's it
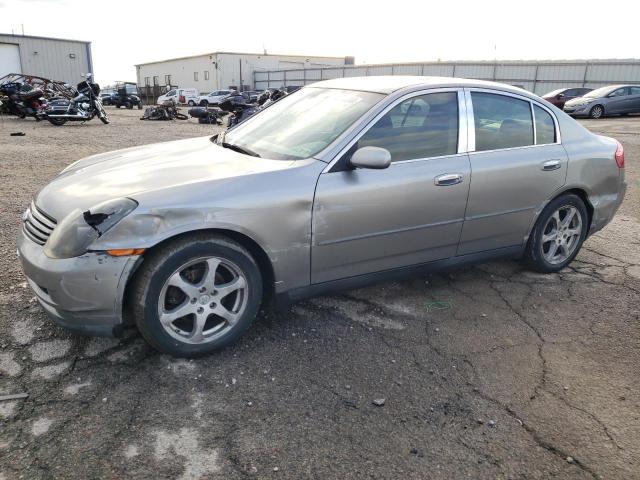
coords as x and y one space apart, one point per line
239 110
82 108
166 111
22 100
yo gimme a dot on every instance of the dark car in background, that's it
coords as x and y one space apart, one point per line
562 95
609 100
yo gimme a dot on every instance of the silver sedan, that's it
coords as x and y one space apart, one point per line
342 183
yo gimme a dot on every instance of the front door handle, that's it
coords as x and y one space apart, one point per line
447 179
551 165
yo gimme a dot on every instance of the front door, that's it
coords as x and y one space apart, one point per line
515 166
367 221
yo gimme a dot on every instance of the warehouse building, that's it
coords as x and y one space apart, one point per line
223 70
52 58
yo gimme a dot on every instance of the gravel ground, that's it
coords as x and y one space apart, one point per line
510 375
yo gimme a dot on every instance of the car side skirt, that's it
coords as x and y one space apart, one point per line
284 299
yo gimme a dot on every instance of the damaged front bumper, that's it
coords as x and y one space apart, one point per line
83 294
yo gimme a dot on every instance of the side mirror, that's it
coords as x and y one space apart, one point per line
560 95
371 157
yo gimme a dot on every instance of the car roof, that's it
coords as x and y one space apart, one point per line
391 83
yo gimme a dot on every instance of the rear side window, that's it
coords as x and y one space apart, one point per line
635 90
545 128
420 127
501 121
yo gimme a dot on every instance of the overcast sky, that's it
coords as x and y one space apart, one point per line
124 33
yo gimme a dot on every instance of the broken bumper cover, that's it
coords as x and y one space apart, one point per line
83 294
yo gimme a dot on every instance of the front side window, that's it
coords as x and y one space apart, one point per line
621 92
501 121
302 124
635 90
419 127
171 93
545 127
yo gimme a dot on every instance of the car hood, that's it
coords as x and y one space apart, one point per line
132 171
579 101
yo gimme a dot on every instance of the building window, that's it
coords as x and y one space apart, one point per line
167 79
206 74
155 80
195 76
146 81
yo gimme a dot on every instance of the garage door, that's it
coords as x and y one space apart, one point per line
9 59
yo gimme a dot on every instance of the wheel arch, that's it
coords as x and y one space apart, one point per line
253 247
576 190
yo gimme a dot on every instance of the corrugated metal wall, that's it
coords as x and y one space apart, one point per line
536 76
52 58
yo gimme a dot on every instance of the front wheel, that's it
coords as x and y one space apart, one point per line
192 103
558 234
196 295
596 112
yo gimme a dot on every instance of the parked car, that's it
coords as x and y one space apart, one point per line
562 95
213 98
179 96
126 96
346 182
610 100
107 98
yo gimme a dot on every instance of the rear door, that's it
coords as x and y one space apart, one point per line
367 221
634 100
517 163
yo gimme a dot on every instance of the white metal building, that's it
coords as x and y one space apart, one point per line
52 58
221 70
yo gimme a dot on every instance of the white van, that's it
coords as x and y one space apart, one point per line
180 96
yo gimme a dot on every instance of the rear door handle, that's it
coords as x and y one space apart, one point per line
551 165
447 179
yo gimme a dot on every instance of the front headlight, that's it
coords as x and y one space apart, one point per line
73 235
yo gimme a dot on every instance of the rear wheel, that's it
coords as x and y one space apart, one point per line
558 234
129 105
204 103
596 112
57 121
196 295
192 103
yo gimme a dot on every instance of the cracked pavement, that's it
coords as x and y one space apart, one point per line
487 372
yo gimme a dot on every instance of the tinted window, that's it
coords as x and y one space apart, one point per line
501 122
545 128
583 91
620 92
635 90
419 127
572 92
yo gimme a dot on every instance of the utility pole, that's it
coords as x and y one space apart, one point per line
240 62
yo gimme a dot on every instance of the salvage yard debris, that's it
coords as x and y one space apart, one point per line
14 396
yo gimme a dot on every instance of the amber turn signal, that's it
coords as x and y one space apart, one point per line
124 252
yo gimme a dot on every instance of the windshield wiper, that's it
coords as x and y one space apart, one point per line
240 149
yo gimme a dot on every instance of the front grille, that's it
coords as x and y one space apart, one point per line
38 225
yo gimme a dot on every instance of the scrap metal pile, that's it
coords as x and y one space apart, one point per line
27 95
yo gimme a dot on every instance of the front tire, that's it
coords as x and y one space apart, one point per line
196 295
192 103
558 234
597 111
58 122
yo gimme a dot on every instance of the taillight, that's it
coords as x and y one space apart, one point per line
620 155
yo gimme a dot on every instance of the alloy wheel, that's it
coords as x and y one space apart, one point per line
596 112
202 300
561 234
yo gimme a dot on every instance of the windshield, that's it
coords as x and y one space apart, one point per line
301 124
600 92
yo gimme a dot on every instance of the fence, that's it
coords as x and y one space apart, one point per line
536 76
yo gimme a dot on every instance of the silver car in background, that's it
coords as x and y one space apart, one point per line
610 100
342 183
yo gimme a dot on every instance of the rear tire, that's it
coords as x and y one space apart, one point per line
204 103
192 103
194 275
129 105
558 234
597 111
58 122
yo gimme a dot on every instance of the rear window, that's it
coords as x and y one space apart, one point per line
501 121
